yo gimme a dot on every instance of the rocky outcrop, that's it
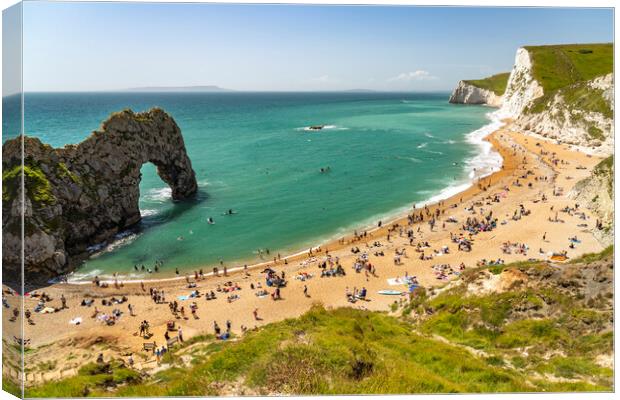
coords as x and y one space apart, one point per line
596 193
466 93
567 115
522 88
84 194
578 114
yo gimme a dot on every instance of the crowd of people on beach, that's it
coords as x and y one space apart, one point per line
476 217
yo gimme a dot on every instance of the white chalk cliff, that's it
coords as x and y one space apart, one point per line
557 119
522 88
466 93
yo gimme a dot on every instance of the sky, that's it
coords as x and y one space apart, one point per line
114 46
11 50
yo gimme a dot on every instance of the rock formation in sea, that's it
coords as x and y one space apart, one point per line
85 194
467 93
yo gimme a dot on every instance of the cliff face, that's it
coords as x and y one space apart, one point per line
522 88
565 93
579 114
562 92
466 93
596 193
84 194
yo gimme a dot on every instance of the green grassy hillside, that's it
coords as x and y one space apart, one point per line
565 68
495 83
562 316
545 333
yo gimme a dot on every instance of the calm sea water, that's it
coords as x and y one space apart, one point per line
252 154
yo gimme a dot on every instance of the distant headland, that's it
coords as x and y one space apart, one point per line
200 89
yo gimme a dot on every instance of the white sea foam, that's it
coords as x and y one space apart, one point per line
148 213
487 160
159 194
79 277
448 192
423 145
95 247
120 239
428 135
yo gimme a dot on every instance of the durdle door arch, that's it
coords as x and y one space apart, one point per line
84 194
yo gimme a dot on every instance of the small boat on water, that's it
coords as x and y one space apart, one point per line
316 127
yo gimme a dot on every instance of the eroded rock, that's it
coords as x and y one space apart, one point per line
84 194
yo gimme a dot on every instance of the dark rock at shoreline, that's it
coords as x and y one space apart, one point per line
84 194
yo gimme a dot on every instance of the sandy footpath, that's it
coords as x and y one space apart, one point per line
67 346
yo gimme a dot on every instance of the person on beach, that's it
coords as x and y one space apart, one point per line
216 328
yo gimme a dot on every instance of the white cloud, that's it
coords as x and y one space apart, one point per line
418 75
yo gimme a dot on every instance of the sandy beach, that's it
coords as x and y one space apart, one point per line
529 197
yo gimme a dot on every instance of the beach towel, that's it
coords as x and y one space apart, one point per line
400 281
48 310
182 298
395 281
76 321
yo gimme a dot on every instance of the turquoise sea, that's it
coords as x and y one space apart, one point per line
252 153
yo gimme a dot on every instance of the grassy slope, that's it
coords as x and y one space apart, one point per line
562 333
495 83
565 68
353 351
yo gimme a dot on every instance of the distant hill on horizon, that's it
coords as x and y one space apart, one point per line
204 88
361 91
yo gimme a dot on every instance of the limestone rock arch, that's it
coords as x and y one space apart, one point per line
84 194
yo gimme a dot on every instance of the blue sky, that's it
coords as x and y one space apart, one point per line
110 46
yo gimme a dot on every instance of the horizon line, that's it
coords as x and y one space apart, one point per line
229 91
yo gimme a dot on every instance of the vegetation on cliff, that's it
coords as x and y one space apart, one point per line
546 321
84 194
495 83
542 327
38 187
564 69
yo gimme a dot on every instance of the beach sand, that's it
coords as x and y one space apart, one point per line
54 338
